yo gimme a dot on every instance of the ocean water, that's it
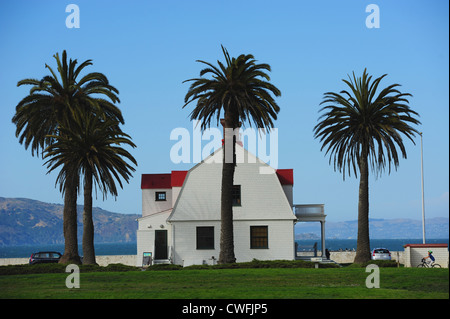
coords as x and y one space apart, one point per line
100 249
350 244
131 249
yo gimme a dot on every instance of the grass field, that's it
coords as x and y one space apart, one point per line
261 283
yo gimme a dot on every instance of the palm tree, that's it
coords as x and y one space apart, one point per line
361 129
92 148
241 90
50 105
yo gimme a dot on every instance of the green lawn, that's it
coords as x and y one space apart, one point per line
262 283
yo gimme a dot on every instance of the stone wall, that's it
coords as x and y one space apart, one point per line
129 260
347 257
341 257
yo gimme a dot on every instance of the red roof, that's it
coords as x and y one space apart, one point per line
169 180
151 181
286 176
178 178
426 245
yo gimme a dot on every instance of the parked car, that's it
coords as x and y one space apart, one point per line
381 254
44 257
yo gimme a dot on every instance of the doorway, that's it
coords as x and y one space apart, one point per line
161 244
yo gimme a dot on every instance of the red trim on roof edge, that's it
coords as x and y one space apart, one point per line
286 176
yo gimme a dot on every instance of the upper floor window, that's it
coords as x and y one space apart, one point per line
160 196
236 195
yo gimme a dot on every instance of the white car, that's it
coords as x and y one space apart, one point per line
381 254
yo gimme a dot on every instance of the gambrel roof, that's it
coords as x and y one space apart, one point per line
262 194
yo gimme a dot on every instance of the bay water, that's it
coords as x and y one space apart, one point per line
130 248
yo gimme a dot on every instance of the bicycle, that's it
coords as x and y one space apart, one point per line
424 264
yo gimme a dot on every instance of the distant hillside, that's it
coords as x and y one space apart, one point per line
27 221
300 236
400 228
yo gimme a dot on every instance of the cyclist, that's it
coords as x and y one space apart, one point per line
430 258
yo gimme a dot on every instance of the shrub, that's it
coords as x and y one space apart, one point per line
165 267
119 267
255 263
379 263
59 268
32 269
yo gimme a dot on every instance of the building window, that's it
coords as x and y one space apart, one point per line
236 195
205 237
160 196
259 237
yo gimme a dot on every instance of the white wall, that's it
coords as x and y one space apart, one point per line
281 242
414 255
185 243
146 233
150 206
288 191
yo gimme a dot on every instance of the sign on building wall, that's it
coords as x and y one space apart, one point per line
146 259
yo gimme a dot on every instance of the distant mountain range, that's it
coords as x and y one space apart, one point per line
26 221
400 228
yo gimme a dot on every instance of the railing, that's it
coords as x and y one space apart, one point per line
316 209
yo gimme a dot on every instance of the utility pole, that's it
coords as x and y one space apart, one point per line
423 199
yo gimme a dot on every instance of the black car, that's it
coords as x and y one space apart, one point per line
44 257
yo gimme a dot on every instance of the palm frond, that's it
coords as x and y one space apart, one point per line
236 87
359 123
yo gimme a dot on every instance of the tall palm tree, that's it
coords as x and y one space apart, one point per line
361 129
241 90
50 105
92 148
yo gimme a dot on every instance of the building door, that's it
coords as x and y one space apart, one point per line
160 244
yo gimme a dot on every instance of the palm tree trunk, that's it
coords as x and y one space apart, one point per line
363 242
88 223
70 255
226 254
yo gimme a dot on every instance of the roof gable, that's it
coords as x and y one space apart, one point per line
262 193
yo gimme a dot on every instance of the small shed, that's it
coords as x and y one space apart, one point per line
415 252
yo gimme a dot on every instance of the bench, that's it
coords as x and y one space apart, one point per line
316 261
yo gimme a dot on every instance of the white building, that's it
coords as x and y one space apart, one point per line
180 220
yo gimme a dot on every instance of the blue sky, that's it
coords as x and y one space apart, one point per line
148 48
